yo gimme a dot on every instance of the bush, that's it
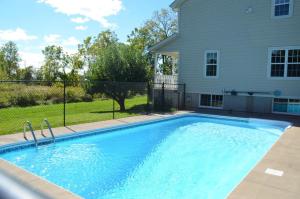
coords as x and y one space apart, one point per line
87 98
30 95
75 94
23 100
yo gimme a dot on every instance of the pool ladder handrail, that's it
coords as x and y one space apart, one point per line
45 121
27 124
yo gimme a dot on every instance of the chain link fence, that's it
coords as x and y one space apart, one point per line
68 103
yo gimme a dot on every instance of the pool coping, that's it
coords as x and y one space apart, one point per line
68 194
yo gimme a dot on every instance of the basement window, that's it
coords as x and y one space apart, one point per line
287 106
211 101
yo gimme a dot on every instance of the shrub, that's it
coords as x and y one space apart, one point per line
23 100
74 94
31 94
87 98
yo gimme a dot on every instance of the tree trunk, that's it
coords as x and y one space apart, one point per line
121 103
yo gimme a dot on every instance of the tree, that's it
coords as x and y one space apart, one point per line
10 59
162 25
76 63
3 75
93 45
116 62
26 73
55 63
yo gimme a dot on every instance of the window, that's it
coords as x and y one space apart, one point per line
284 63
211 101
211 63
293 63
282 8
284 105
278 62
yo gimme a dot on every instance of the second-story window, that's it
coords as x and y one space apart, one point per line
211 63
282 8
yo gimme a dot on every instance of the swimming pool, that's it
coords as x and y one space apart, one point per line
189 156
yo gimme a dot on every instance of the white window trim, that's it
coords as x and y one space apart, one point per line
218 63
210 107
283 113
285 16
285 77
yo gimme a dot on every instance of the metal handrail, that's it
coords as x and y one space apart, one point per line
45 121
27 124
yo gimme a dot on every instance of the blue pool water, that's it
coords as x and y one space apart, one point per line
185 157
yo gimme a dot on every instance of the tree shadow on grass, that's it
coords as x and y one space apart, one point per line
141 108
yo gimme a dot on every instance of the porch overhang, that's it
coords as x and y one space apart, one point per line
176 4
168 46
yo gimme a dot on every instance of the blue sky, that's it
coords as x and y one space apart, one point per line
34 24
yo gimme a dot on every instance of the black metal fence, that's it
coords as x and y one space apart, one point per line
168 97
67 103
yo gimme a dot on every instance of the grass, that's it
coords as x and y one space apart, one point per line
12 119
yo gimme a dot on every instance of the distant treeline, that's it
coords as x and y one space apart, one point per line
100 57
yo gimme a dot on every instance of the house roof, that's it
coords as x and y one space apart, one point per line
163 43
176 4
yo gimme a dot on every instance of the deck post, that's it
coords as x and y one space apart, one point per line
154 79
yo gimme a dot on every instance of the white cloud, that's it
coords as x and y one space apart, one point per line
52 39
96 10
69 45
55 39
31 59
80 20
34 57
81 27
16 35
71 41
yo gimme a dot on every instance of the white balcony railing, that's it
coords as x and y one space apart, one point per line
167 79
170 81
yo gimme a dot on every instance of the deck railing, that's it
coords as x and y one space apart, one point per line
170 81
167 79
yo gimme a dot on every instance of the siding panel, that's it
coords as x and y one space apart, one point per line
243 41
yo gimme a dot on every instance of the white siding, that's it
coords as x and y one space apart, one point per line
243 41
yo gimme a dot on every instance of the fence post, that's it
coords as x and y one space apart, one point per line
178 100
113 94
64 102
163 96
148 97
184 90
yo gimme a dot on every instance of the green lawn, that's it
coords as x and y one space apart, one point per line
12 119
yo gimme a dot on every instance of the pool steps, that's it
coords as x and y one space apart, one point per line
29 126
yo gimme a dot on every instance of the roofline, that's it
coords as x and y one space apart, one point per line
176 4
163 43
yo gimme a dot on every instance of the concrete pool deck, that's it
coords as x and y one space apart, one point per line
284 156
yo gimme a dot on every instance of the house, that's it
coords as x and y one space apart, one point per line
241 55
